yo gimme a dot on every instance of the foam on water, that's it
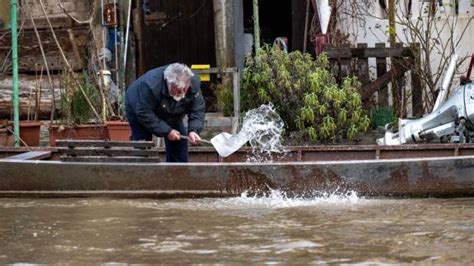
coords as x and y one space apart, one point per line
268 200
272 199
281 199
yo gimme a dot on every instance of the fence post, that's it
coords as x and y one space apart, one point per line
236 94
362 71
345 64
416 88
381 64
363 66
397 86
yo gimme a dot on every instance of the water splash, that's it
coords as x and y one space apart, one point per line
263 127
264 202
281 199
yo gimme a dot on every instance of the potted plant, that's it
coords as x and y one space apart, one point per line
78 104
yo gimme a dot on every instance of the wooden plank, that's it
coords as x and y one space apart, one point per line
53 9
28 42
29 50
102 159
75 47
71 6
382 81
55 62
335 53
80 152
31 155
215 70
62 21
104 143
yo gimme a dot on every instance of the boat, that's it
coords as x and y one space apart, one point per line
415 170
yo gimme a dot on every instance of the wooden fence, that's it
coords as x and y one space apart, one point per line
391 66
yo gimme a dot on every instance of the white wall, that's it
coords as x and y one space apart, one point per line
372 28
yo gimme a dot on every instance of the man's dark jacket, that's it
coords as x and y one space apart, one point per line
149 99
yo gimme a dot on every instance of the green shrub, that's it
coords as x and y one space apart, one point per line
305 94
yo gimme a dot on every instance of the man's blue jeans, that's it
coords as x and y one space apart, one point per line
176 151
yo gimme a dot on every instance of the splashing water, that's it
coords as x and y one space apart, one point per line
269 200
263 127
281 199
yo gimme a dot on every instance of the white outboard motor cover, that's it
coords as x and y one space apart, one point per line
469 102
440 122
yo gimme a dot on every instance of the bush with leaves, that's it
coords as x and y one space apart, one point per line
305 94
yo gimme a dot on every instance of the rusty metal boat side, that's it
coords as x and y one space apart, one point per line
435 176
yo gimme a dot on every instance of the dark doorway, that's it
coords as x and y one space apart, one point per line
274 17
284 18
178 31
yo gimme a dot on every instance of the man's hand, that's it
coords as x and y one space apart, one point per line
174 135
193 138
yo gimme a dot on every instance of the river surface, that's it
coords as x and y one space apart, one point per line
330 229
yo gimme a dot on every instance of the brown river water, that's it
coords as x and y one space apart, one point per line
325 230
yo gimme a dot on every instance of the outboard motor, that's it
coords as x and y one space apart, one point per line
453 119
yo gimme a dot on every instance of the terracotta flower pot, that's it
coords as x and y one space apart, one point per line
119 130
79 132
30 132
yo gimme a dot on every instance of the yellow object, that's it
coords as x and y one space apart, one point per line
204 77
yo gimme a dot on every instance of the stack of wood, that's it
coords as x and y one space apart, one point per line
36 90
107 151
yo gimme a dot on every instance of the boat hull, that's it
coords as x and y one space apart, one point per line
434 177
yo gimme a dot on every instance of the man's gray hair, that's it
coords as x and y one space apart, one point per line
178 74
